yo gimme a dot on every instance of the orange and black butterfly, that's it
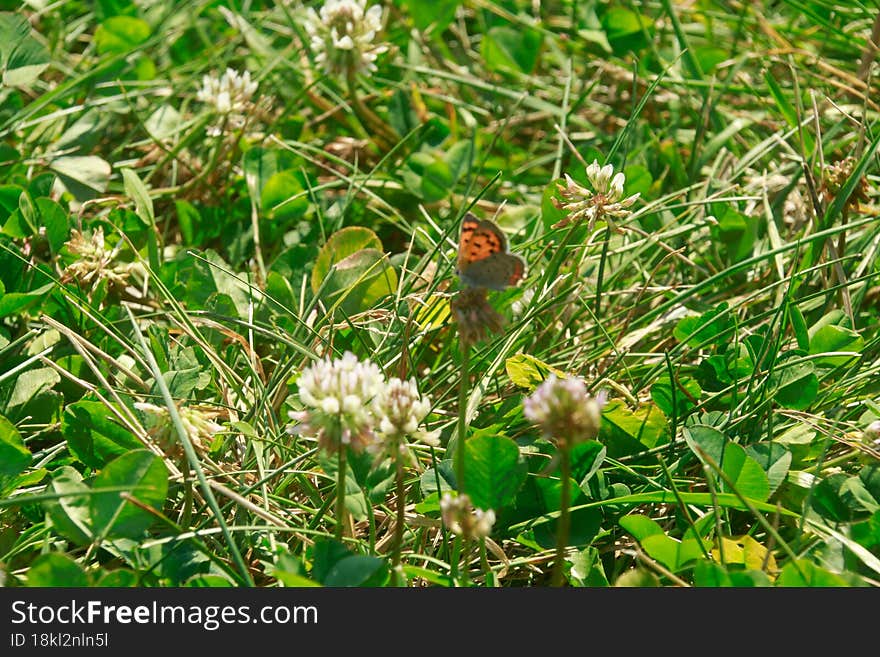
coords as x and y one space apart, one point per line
484 259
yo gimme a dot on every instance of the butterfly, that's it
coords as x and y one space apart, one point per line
484 259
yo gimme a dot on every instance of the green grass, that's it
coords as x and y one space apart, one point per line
731 318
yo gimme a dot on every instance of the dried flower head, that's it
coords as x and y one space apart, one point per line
231 95
835 178
564 411
401 411
462 518
475 317
199 424
95 262
342 36
603 203
338 394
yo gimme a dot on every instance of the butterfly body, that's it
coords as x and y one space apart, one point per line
484 259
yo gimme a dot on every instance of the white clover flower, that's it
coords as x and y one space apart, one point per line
463 519
230 95
339 394
564 411
401 411
604 202
342 36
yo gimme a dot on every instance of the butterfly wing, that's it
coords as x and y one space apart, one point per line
479 239
494 272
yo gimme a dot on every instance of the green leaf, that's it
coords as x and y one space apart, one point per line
119 578
14 456
341 244
434 14
625 432
625 29
586 459
774 458
53 218
640 526
511 48
31 383
260 164
672 553
22 57
831 338
711 327
137 191
120 34
70 514
84 176
277 198
803 573
357 570
796 385
16 302
142 475
494 469
747 477
585 522
529 372
94 435
56 570
445 472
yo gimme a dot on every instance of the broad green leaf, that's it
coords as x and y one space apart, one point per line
357 570
713 326
626 29
445 474
94 435
119 578
341 244
22 57
586 459
260 164
84 176
637 578
142 475
494 471
31 383
70 514
16 302
164 123
120 34
672 553
53 218
511 48
774 458
747 477
804 573
433 14
277 198
745 551
14 456
640 526
358 281
831 338
585 522
137 191
528 372
675 401
625 432
796 385
56 570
